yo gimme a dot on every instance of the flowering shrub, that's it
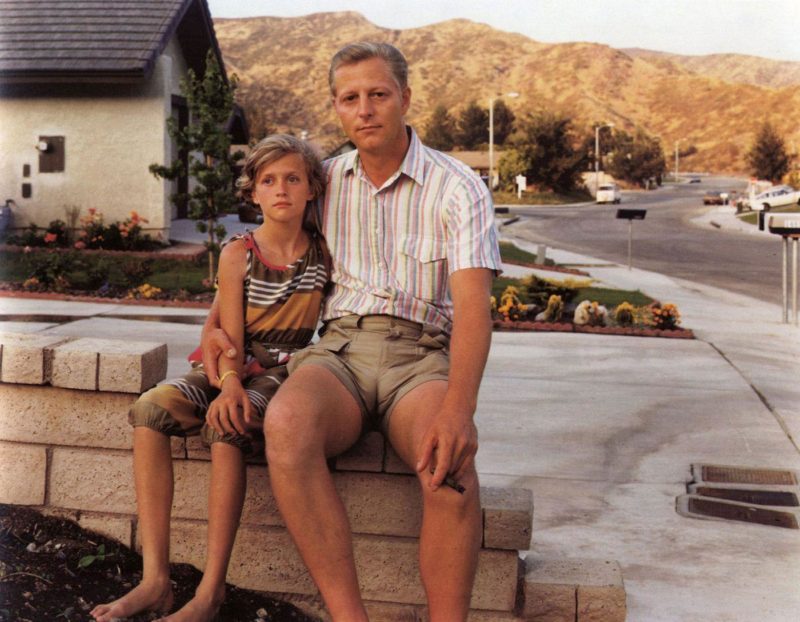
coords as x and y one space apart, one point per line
590 313
125 235
93 233
145 291
48 271
511 307
539 290
553 311
666 316
624 314
56 235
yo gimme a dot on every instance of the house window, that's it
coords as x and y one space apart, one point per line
51 154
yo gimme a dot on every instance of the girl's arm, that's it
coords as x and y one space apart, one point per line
224 414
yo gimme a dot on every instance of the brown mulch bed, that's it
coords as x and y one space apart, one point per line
195 301
569 327
40 576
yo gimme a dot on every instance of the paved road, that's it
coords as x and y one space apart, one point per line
666 241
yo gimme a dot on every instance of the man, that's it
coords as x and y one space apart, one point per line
406 337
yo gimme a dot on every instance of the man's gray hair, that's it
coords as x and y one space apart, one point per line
364 50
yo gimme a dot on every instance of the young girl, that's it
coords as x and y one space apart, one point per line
271 284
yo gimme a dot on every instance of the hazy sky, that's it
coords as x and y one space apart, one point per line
768 28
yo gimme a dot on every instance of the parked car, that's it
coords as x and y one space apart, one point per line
249 212
609 193
694 180
712 197
777 196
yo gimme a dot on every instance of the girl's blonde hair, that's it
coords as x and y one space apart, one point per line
273 148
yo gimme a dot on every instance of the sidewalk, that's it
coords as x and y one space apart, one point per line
610 425
604 429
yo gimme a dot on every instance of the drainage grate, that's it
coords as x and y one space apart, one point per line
755 497
737 493
741 475
729 511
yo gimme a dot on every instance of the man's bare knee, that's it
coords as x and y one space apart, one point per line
310 417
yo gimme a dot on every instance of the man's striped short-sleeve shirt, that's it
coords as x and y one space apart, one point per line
394 247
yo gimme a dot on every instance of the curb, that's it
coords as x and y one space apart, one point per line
539 266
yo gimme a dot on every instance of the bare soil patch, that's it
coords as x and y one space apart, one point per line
42 578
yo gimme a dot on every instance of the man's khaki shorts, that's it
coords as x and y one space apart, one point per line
379 359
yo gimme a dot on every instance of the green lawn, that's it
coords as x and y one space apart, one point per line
540 198
751 218
511 253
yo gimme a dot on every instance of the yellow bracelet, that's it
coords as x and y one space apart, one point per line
230 372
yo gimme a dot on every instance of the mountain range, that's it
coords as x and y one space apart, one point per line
710 107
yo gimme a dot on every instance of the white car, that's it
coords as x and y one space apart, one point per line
777 196
609 193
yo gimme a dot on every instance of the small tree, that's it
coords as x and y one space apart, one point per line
768 158
511 164
473 126
545 142
636 159
210 103
503 122
441 129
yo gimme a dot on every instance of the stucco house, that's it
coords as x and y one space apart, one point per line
86 88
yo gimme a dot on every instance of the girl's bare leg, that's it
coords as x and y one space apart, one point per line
152 467
225 500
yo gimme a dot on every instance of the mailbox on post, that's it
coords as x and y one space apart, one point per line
630 214
787 225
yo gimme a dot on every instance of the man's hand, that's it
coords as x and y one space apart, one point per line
215 343
231 411
449 445
451 442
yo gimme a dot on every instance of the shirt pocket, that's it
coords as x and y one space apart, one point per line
423 267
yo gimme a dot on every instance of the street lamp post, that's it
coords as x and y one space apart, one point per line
676 158
597 155
491 135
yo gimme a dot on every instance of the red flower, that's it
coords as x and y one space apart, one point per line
50 237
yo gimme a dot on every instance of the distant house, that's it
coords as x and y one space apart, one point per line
478 161
86 88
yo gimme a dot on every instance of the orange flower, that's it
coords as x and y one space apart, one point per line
50 237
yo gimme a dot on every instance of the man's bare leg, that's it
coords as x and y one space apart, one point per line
451 522
152 467
225 500
311 417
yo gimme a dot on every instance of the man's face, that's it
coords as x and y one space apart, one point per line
371 105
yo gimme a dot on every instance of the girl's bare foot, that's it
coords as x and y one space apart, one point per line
151 596
202 608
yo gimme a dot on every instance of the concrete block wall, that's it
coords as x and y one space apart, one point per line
65 447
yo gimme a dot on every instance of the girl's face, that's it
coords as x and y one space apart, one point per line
282 190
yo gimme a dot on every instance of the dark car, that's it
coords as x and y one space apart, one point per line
713 198
249 212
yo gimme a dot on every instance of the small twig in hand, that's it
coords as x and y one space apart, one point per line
449 481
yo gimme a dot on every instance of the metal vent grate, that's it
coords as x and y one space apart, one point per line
741 475
744 494
728 511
